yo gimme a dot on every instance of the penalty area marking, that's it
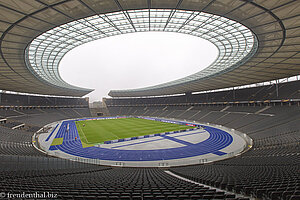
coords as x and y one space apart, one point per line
87 141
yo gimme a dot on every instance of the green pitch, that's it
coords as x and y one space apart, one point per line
57 141
92 132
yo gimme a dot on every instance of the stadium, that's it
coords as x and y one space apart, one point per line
229 131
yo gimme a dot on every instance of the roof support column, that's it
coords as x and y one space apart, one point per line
277 92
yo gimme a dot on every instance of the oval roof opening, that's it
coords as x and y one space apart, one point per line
235 42
135 60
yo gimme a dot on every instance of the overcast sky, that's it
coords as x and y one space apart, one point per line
135 60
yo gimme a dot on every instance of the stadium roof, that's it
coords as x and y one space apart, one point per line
35 35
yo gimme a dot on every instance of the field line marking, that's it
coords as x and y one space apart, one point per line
148 125
177 140
135 143
83 134
114 135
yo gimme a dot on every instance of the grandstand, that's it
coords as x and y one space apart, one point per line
252 88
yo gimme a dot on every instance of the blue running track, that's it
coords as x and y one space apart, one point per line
217 140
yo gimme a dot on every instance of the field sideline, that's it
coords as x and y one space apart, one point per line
98 131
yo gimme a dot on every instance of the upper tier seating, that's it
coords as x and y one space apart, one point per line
289 90
46 116
27 100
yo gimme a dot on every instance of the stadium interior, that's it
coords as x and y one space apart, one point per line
269 113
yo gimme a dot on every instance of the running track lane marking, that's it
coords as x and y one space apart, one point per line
124 145
177 140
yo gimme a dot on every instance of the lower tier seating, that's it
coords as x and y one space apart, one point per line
109 183
270 170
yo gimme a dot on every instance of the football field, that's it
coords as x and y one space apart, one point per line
98 131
